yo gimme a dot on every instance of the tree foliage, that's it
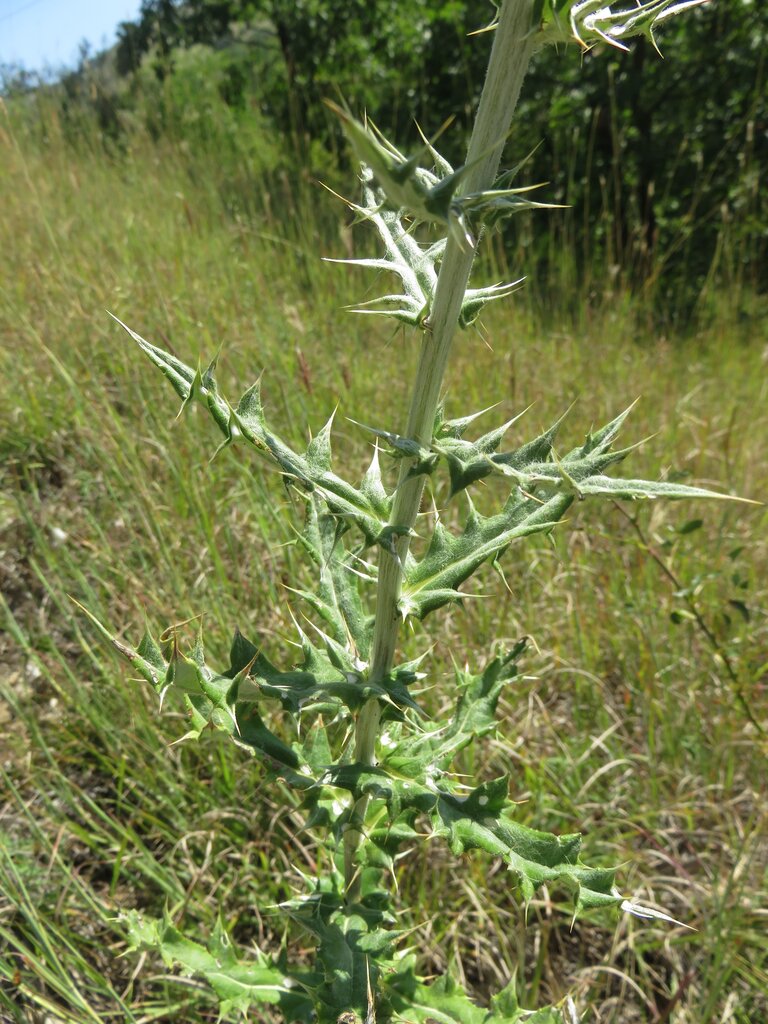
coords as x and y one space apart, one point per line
675 148
658 162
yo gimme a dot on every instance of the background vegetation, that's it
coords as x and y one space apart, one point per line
657 162
173 182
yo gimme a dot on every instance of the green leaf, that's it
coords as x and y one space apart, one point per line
445 1002
151 653
147 659
355 945
469 461
403 256
482 821
411 780
416 266
350 973
433 580
253 734
229 702
442 1002
336 598
437 744
223 702
309 472
318 686
238 985
242 654
316 748
545 487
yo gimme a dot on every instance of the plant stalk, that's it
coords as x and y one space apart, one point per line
510 55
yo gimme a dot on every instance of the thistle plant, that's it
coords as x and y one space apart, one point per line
341 726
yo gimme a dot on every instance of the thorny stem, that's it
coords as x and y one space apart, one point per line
510 56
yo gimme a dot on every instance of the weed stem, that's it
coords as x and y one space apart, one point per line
510 56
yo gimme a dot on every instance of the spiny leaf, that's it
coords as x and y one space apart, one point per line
253 734
372 487
433 580
351 973
309 472
229 702
442 1002
242 654
355 944
239 985
481 820
425 196
317 686
437 744
336 598
416 265
147 659
470 461
223 702
594 21
412 779
467 461
545 487
445 1002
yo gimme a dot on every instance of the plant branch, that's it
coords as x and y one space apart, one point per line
510 56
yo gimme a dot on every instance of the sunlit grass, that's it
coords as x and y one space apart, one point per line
626 724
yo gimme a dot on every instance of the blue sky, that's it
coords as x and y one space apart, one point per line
40 34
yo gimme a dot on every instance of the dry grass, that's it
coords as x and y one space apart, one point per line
626 725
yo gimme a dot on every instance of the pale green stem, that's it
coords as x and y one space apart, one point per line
510 56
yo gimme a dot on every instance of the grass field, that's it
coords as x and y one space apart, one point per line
633 722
